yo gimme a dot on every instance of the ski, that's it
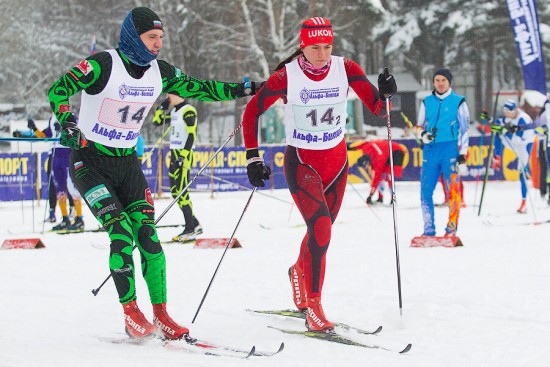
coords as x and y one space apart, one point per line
192 345
488 223
172 242
70 231
300 315
337 338
101 229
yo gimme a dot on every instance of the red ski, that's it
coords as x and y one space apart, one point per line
436 241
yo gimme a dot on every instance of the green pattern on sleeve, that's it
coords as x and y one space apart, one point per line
70 83
176 82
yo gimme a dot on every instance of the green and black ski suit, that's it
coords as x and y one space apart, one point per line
116 97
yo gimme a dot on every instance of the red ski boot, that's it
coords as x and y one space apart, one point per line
169 328
523 207
315 317
137 325
296 275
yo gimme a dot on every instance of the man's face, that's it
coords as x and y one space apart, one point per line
152 40
441 84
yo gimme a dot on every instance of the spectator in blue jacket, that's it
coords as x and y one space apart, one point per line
443 124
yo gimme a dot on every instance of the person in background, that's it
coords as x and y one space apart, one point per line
52 131
119 87
183 124
65 189
140 147
376 160
544 124
443 125
514 135
315 163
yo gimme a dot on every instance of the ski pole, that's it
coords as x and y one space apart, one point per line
489 155
224 251
363 200
487 165
158 142
248 188
394 200
96 291
409 123
481 140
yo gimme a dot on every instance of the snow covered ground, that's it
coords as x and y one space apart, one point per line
484 304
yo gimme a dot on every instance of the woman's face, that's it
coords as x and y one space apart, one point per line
152 40
318 54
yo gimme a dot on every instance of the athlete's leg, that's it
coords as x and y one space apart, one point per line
179 179
134 194
429 177
451 180
319 208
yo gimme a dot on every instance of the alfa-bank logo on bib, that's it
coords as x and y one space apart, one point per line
126 90
306 95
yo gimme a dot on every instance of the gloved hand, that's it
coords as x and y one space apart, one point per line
71 136
386 84
462 168
363 160
158 118
369 200
427 137
31 125
496 162
251 88
497 128
161 114
512 128
484 116
256 169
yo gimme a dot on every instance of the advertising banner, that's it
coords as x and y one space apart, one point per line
227 172
525 26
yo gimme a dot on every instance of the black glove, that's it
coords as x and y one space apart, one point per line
512 128
165 104
31 125
256 169
427 137
251 88
386 84
363 160
17 134
369 200
71 136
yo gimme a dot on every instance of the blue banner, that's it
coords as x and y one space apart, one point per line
525 26
17 176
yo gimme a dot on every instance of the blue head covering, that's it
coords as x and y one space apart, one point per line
510 105
137 22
